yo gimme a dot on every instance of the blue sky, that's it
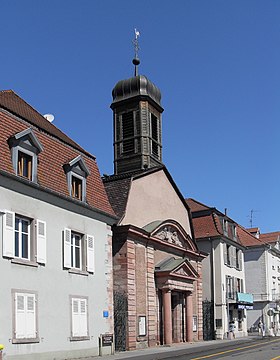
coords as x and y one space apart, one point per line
216 62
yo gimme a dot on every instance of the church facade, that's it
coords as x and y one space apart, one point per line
156 262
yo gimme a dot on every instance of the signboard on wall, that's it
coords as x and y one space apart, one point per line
107 339
194 323
142 325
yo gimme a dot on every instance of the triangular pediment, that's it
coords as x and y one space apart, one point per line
179 268
185 270
173 234
77 165
28 138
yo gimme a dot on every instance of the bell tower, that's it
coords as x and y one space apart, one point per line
137 122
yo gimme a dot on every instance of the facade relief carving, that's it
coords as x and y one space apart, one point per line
170 235
182 271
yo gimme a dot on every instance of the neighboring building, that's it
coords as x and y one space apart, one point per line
224 291
262 270
55 233
157 266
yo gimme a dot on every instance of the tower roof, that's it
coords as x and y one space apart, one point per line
138 85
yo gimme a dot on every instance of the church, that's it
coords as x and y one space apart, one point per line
157 282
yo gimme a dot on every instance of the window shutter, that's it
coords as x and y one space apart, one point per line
240 259
90 253
9 234
225 253
41 242
30 316
83 317
20 332
67 248
234 254
75 317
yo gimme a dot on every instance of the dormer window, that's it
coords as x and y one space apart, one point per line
224 224
77 172
25 149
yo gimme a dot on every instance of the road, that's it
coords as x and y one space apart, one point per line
257 349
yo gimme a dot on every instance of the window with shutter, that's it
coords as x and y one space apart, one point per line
20 240
25 321
79 321
78 252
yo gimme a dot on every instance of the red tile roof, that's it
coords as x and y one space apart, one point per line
196 205
206 226
58 149
247 239
270 237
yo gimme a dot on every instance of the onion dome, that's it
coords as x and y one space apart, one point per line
136 86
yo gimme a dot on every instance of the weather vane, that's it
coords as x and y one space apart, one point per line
136 60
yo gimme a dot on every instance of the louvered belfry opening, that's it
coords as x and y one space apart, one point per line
128 133
137 125
154 128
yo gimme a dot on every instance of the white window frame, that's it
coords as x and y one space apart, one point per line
83 189
25 317
74 238
79 324
20 233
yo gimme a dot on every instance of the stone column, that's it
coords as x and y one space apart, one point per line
167 316
189 317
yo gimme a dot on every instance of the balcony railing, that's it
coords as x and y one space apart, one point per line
267 297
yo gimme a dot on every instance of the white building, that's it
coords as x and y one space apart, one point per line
224 294
55 232
262 266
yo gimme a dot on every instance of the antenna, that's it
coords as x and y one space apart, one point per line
136 60
251 217
49 117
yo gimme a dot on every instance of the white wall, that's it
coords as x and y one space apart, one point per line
53 284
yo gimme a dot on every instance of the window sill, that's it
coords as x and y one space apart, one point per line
24 262
78 272
79 338
26 341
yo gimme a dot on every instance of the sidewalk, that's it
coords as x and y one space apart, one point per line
169 349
